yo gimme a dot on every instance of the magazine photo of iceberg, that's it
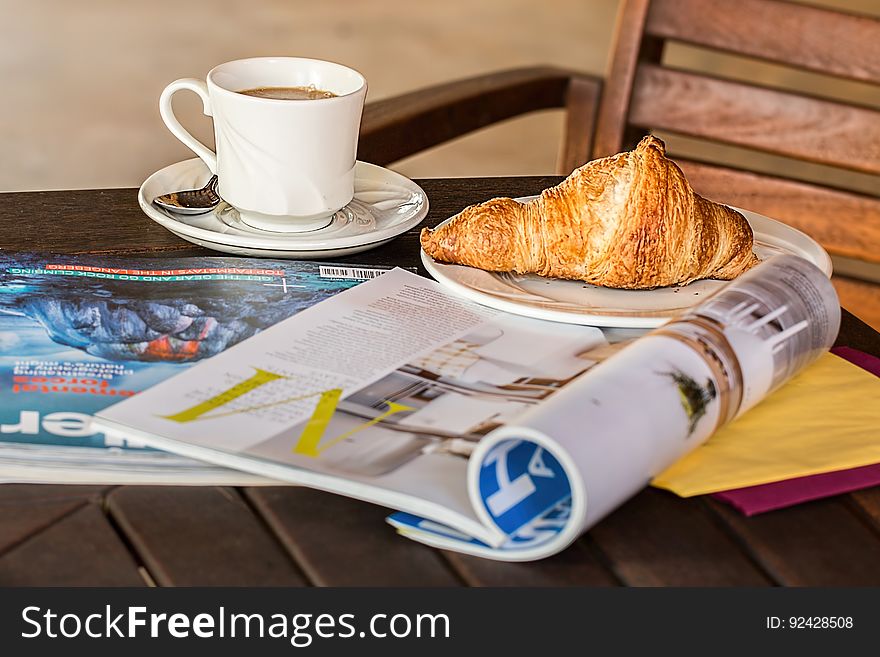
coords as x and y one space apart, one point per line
78 333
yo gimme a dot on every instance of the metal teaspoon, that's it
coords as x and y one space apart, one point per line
191 201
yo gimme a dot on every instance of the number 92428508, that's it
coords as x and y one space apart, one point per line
820 622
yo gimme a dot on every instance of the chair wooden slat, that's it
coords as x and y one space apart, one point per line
845 223
581 104
755 117
397 127
807 37
627 50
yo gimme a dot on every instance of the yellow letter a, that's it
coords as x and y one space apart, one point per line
307 445
260 377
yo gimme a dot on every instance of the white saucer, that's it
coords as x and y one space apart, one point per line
575 302
385 205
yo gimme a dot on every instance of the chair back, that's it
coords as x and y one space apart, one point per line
806 138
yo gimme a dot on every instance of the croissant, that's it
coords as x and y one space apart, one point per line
626 221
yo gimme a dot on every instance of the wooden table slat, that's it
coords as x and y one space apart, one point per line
857 334
16 494
26 509
576 566
656 539
819 543
200 536
22 522
343 542
131 232
867 502
80 549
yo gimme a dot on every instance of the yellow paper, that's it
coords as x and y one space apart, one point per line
827 418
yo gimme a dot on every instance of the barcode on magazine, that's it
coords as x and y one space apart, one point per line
357 273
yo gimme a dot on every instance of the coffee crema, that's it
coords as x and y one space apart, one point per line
289 93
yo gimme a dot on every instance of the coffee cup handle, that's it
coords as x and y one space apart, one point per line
199 87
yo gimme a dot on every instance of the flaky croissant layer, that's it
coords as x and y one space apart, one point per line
626 221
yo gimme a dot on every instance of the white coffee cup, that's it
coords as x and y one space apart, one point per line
285 165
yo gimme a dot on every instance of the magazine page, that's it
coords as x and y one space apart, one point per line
78 333
567 463
380 393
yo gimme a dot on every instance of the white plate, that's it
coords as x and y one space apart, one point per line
385 205
574 302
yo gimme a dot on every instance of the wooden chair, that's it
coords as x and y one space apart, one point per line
643 93
395 128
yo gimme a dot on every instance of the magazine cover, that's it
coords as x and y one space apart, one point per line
78 333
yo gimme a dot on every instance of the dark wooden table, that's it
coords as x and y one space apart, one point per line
280 536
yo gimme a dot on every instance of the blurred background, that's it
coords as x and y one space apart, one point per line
83 78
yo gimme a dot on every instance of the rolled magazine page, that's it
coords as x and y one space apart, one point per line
570 461
777 319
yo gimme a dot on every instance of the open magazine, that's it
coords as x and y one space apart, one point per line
78 333
489 433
